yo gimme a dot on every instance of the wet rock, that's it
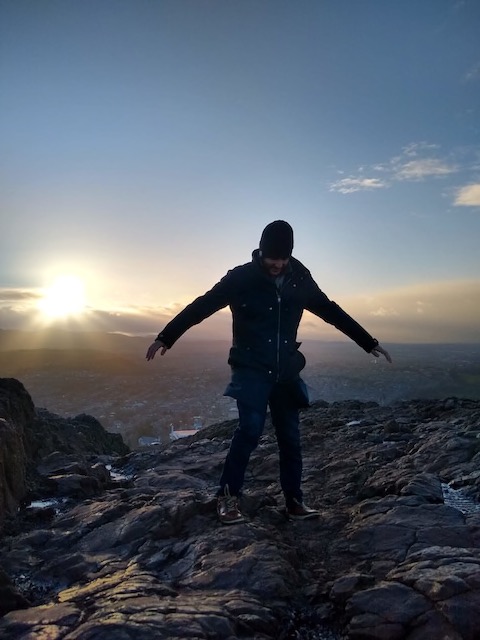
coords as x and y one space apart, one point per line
10 598
425 485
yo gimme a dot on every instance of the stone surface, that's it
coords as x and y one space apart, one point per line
16 413
144 556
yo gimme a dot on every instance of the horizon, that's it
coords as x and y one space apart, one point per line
111 380
146 147
53 333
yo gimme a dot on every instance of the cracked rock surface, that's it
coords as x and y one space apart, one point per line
143 556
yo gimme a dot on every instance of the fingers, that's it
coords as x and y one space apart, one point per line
385 353
379 350
150 353
154 347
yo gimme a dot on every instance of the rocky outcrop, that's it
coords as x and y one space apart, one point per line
39 449
44 454
16 413
68 456
394 555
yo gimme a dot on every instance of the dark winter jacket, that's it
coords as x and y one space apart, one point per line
265 318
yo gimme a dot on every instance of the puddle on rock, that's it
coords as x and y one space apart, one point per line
459 500
118 475
48 503
42 504
38 592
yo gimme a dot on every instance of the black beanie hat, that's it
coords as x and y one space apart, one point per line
277 240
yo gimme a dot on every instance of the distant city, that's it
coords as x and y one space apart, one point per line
107 376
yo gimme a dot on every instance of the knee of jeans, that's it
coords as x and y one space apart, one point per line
250 433
288 441
252 436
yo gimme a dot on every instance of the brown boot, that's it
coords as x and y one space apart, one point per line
227 508
299 511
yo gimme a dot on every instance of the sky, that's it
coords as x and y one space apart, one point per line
145 144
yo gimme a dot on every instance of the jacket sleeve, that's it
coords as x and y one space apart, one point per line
320 305
201 308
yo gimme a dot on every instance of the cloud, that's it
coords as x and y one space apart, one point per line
417 161
17 306
422 168
468 196
415 148
445 311
421 306
17 295
19 310
383 312
473 73
350 185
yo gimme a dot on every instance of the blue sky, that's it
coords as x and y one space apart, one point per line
146 143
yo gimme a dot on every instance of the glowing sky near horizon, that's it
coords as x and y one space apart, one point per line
145 145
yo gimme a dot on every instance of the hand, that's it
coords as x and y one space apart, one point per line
379 350
154 347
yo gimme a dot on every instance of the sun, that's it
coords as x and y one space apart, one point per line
64 297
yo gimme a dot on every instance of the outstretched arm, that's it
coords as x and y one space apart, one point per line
194 313
324 308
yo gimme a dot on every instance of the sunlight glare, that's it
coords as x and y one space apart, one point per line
64 297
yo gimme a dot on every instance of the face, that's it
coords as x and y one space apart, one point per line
275 266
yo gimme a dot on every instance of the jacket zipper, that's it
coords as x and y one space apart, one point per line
279 304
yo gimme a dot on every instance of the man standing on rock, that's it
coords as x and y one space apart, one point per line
267 297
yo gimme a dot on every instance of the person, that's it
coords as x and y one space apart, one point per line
267 297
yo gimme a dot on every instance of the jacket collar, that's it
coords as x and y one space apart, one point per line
257 261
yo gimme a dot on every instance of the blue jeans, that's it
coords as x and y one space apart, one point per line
247 435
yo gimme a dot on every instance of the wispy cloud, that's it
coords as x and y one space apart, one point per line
17 306
19 310
428 312
443 311
384 312
414 149
7 296
473 73
350 185
417 161
468 196
422 168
